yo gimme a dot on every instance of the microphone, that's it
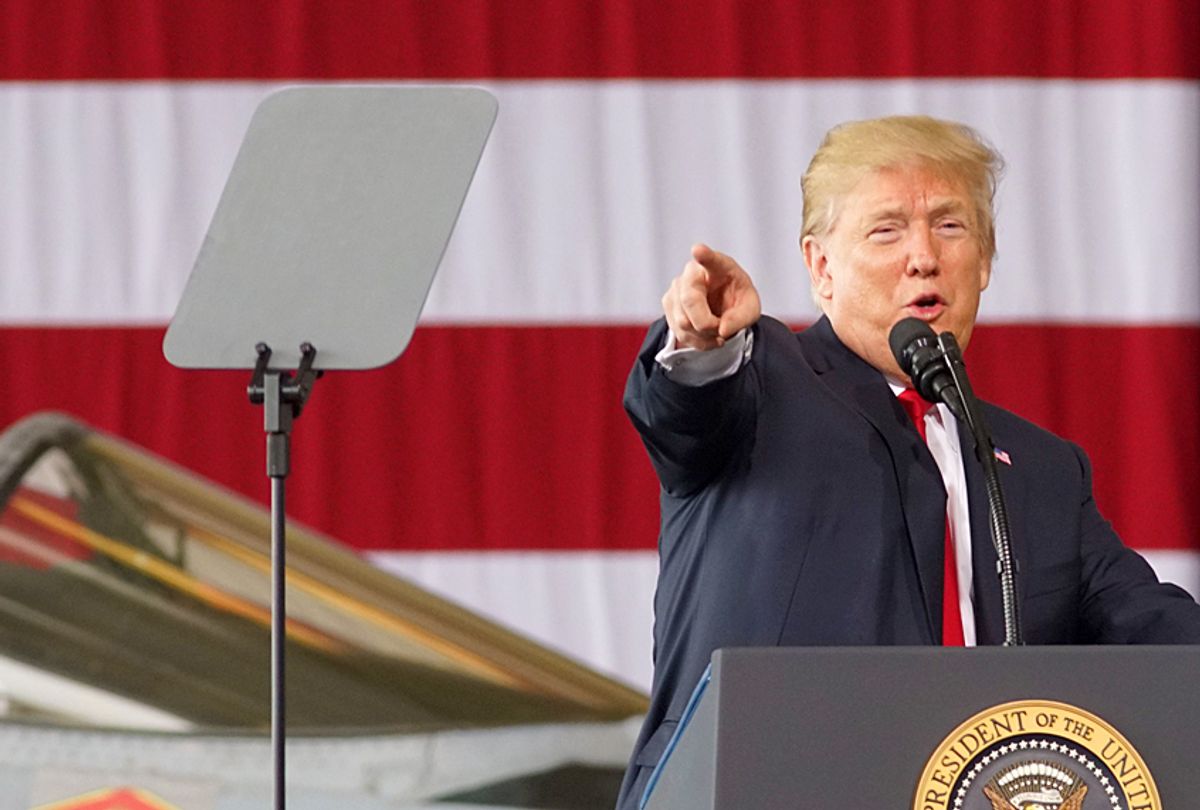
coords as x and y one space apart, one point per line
934 363
920 355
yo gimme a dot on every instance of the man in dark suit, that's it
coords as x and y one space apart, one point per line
801 505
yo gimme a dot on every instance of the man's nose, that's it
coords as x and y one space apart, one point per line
922 258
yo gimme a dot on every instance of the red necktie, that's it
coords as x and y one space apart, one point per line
952 633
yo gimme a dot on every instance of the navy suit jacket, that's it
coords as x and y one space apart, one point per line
801 507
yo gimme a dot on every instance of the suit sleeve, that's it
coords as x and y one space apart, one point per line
691 433
1122 601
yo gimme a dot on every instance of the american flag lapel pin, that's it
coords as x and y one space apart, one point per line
1002 456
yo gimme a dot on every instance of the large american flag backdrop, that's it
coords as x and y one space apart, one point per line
493 462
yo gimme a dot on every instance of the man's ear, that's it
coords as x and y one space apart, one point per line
818 268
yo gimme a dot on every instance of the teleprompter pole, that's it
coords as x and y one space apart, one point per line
282 396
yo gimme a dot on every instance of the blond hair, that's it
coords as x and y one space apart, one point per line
855 149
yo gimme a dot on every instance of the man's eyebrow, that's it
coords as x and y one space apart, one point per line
885 211
951 205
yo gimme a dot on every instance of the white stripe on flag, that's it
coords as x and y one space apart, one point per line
597 606
590 193
1179 567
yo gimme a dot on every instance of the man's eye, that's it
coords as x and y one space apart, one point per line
883 232
951 226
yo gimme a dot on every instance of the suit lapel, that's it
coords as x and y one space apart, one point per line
922 494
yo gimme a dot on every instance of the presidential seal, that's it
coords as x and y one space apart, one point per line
1036 755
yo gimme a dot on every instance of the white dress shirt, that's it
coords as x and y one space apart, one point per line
694 367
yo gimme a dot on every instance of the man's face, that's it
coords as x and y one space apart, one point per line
904 243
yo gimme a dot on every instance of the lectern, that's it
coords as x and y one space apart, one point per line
871 728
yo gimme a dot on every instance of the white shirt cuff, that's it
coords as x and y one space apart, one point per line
696 367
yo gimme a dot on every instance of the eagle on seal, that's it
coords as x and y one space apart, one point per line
1036 786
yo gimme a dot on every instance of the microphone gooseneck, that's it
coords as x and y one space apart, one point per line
935 365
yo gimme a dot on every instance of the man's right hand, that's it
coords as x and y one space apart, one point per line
710 301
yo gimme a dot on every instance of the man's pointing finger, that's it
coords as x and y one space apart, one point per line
717 264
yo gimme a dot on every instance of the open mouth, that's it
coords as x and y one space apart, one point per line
927 307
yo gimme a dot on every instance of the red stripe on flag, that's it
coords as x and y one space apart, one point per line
1129 395
514 437
479 39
